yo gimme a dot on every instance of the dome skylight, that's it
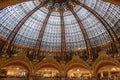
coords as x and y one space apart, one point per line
60 25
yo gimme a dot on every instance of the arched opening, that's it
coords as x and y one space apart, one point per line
14 72
78 73
47 72
111 72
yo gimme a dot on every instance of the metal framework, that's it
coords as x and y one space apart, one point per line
85 35
12 35
38 46
106 25
41 33
63 38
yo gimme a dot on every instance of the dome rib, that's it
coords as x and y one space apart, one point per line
84 33
17 28
63 37
106 25
41 33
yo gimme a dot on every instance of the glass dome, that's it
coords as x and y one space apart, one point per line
70 26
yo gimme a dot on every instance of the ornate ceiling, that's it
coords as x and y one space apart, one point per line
60 25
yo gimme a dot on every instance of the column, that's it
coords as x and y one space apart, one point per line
109 74
101 74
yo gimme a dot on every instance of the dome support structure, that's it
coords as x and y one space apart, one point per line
85 35
63 38
41 33
105 24
12 35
